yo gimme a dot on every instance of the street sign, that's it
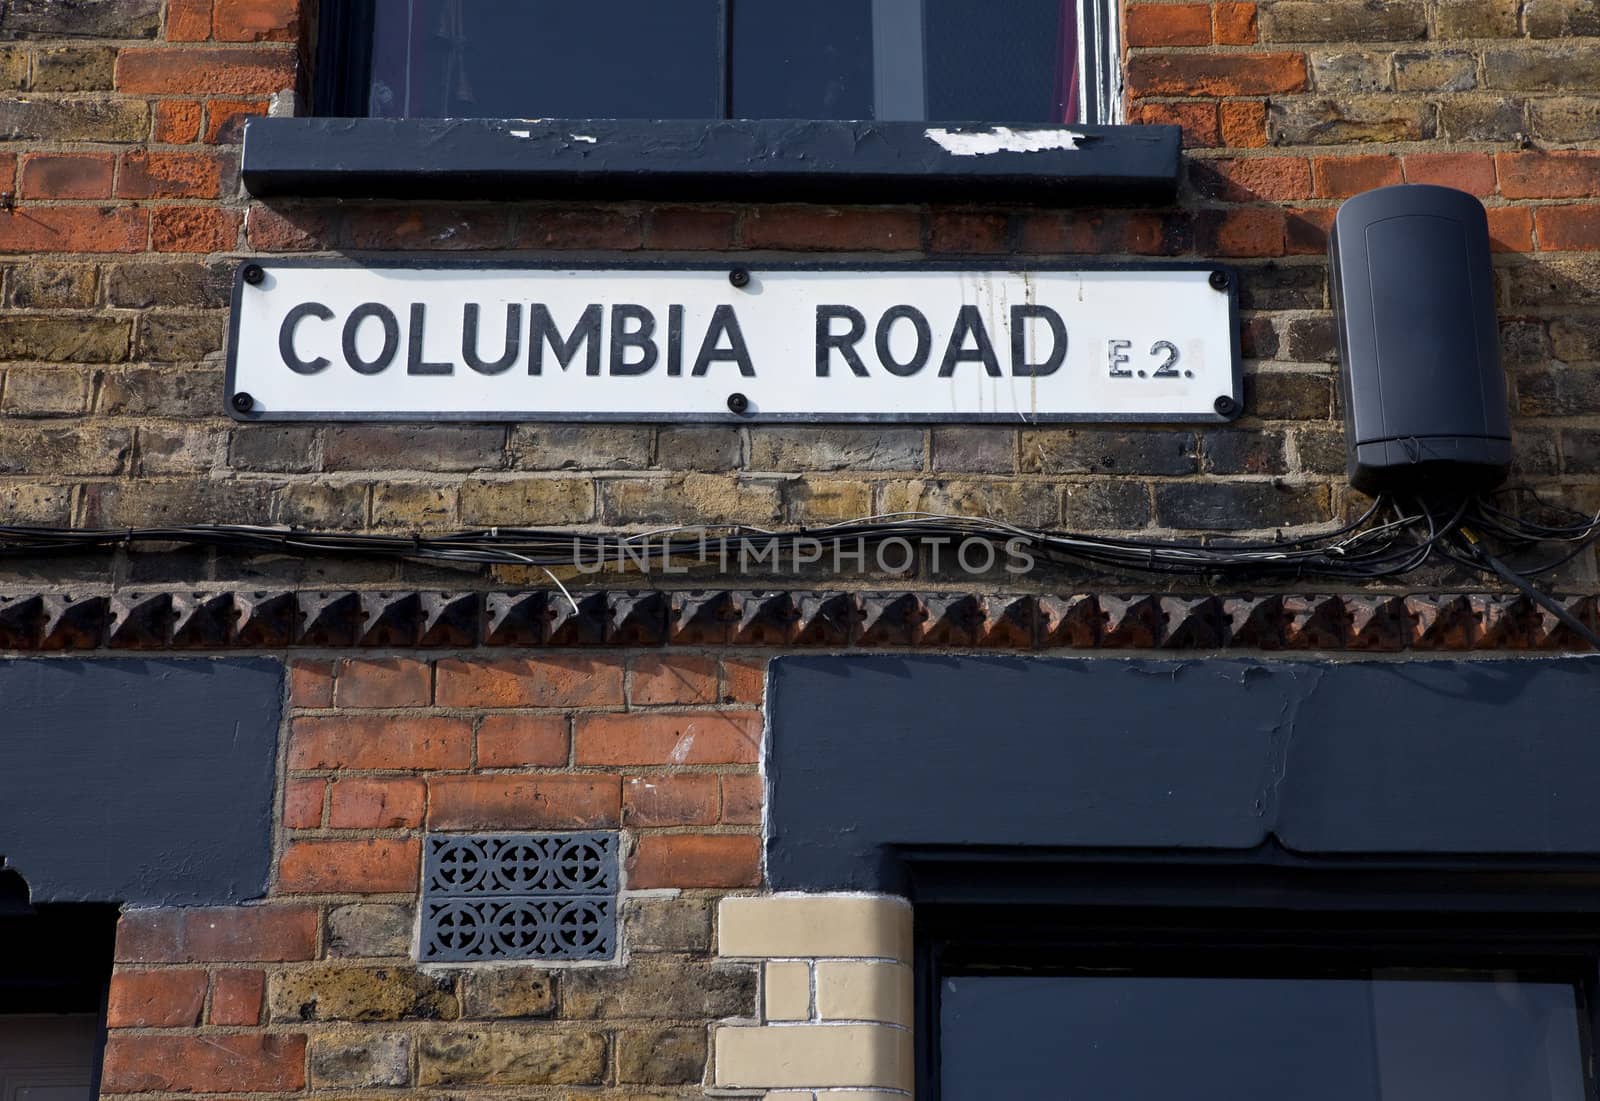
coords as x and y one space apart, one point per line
336 340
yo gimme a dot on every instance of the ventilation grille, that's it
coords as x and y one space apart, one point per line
529 896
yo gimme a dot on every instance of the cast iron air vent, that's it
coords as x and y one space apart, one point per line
544 896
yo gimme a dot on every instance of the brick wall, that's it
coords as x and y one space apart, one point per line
122 117
316 989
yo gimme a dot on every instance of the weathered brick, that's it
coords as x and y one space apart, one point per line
1556 175
985 449
1191 74
675 679
1476 18
1510 229
288 228
380 741
1249 179
138 284
26 448
174 501
580 447
1198 120
236 997
1346 70
1235 506
366 803
1564 118
815 227
180 450
1243 451
49 506
1342 177
690 228
519 741
1029 504
255 20
142 391
817 449
412 506
225 118
53 391
813 501
528 502
448 228
661 1056
82 18
1444 71
660 986
188 20
205 70
1243 124
193 229
274 448
539 802
694 860
1251 231
73 69
615 228
167 998
1284 395
43 285
302 804
14 65
1569 228
224 934
1343 21
1561 391
668 738
691 499
358 1059
383 682
349 867
1561 18
179 337
965 232
1469 172
319 505
336 992
504 992
697 447
667 924
1482 118
1235 24
1548 69
1350 119
554 680
432 447
744 680
1108 450
370 929
254 1063
1167 25
743 795
1103 505
691 799
176 122
511 1057
44 118
75 229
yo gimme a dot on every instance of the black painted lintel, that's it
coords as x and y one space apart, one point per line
721 160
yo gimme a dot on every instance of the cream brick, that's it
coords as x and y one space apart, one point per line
787 991
849 990
818 1056
815 925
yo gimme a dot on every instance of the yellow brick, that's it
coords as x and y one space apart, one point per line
850 990
816 1056
787 991
789 926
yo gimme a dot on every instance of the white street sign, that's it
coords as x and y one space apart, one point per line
319 340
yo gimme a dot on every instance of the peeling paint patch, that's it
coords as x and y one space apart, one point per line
1003 139
521 133
584 138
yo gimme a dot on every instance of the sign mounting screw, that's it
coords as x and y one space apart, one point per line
243 402
253 274
1219 280
1225 406
738 403
739 277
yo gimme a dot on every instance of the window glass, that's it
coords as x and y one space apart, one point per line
1388 1036
810 60
635 59
1020 68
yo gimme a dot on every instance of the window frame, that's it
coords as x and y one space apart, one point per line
343 57
1017 914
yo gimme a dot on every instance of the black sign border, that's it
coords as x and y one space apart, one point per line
754 266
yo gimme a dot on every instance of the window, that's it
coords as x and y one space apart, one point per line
1023 61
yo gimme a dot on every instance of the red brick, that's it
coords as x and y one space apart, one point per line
686 799
225 118
1198 120
258 1063
177 121
67 175
676 678
1167 24
450 227
959 231
1244 124
1250 179
302 804
620 228
1102 233
1341 177
188 20
1264 74
690 228
550 681
744 680
1566 228
170 176
518 741
169 998
74 229
236 997
695 860
742 796
383 682
227 934
294 229
350 867
310 683
380 742
1511 229
1561 175
220 70
370 804
1470 172
819 227
8 169
1306 230
1249 231
193 229
1234 24
255 20
654 738
584 801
